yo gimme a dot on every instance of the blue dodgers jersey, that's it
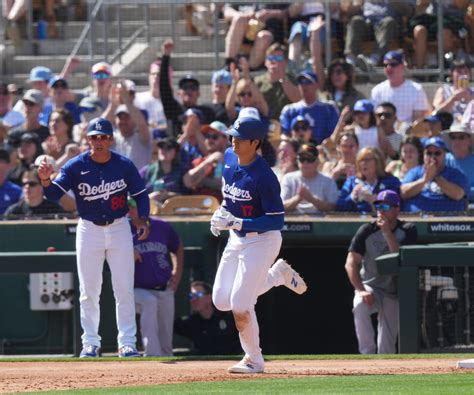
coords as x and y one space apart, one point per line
250 191
101 189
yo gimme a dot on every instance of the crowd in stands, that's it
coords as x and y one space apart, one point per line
332 148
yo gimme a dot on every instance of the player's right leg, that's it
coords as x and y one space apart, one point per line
90 247
225 276
363 325
387 329
258 252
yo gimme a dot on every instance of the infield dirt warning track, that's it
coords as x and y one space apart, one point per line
44 376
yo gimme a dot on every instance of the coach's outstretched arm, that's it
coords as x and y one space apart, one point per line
52 192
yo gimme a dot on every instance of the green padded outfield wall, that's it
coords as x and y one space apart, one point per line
318 322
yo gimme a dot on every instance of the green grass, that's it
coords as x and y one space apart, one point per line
458 383
236 358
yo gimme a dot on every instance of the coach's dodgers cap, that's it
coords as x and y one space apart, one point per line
100 126
248 126
388 196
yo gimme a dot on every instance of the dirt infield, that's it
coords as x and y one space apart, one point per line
42 376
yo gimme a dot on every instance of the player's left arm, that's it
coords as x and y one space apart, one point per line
137 190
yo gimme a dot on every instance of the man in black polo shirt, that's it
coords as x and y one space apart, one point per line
375 293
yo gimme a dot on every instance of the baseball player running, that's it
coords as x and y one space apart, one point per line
253 212
101 180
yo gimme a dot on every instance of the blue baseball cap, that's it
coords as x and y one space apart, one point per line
307 75
247 128
437 142
388 196
40 73
100 126
58 82
432 119
221 77
299 118
363 105
395 56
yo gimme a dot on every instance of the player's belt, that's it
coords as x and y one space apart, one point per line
103 223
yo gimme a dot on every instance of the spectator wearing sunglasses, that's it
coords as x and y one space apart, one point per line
307 191
212 332
205 175
33 101
321 116
188 93
434 186
385 119
158 272
301 130
33 204
244 93
277 86
102 82
460 141
408 97
373 292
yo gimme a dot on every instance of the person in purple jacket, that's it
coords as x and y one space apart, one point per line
158 271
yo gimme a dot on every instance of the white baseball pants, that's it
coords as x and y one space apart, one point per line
156 309
387 327
94 244
243 275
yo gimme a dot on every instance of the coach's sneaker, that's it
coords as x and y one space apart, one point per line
89 351
128 352
246 366
291 277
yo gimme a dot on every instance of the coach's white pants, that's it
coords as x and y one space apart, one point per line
94 244
242 276
387 328
156 309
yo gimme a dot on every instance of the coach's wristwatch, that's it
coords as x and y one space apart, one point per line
147 220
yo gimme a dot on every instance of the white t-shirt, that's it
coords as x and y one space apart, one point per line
154 107
133 147
322 186
408 97
367 137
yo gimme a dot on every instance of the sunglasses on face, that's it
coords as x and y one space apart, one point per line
275 58
304 81
28 103
196 295
391 64
301 128
190 87
387 115
211 136
309 160
30 183
101 76
433 153
243 94
100 137
385 207
165 147
458 137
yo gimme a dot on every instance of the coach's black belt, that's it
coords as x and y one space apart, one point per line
103 223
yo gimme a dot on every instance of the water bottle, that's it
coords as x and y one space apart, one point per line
41 29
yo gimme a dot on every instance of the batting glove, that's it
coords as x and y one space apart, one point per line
223 220
216 232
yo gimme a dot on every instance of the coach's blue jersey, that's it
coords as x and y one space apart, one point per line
250 191
101 189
